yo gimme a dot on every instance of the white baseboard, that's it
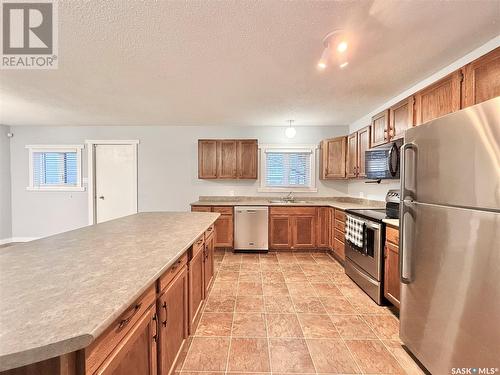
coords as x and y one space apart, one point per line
17 239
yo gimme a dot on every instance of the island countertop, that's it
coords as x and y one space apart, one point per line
61 292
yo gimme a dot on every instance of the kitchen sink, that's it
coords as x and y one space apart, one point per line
281 201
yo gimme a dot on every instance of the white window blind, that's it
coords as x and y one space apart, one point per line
288 169
55 167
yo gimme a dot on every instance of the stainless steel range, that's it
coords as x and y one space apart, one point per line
364 264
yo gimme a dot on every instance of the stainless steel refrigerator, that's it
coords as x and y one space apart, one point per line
450 240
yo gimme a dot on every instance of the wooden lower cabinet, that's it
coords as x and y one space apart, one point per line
137 352
338 234
280 234
304 231
224 225
323 222
224 231
391 266
173 319
292 228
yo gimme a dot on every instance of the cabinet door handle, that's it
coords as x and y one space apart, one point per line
126 321
157 329
164 306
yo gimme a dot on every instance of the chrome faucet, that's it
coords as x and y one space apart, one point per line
289 197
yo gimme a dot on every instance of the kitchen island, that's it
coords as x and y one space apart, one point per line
60 293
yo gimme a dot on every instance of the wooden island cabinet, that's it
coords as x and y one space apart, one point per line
147 338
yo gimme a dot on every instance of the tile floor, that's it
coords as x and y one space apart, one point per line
284 313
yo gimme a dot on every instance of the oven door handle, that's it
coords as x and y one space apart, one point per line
360 273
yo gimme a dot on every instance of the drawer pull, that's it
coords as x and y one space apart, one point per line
164 306
176 265
210 229
126 321
199 241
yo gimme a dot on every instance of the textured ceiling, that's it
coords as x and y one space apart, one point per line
237 62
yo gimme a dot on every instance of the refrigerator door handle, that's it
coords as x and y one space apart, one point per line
404 275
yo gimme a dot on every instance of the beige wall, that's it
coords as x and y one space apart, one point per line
5 197
167 170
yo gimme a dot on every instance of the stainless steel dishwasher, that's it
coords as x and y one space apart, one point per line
251 228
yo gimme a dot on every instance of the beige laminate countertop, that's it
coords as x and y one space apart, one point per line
342 203
59 293
392 222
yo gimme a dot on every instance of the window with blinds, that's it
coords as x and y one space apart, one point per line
288 169
55 168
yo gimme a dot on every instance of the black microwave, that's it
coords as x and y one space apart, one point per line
383 162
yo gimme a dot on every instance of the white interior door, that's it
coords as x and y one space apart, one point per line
115 181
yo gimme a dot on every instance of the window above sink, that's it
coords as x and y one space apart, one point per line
288 168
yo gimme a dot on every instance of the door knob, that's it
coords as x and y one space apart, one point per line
101 197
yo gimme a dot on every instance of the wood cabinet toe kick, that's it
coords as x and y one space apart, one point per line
148 337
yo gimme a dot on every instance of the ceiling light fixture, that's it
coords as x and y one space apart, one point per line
334 38
290 131
342 46
323 62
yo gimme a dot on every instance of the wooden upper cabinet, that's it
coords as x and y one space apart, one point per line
482 79
137 352
400 118
226 159
352 156
380 128
247 159
364 143
207 159
438 99
333 158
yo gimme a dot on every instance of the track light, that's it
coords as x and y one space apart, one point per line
330 41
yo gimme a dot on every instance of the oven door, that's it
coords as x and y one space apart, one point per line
370 258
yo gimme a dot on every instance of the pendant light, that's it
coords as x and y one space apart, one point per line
290 131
